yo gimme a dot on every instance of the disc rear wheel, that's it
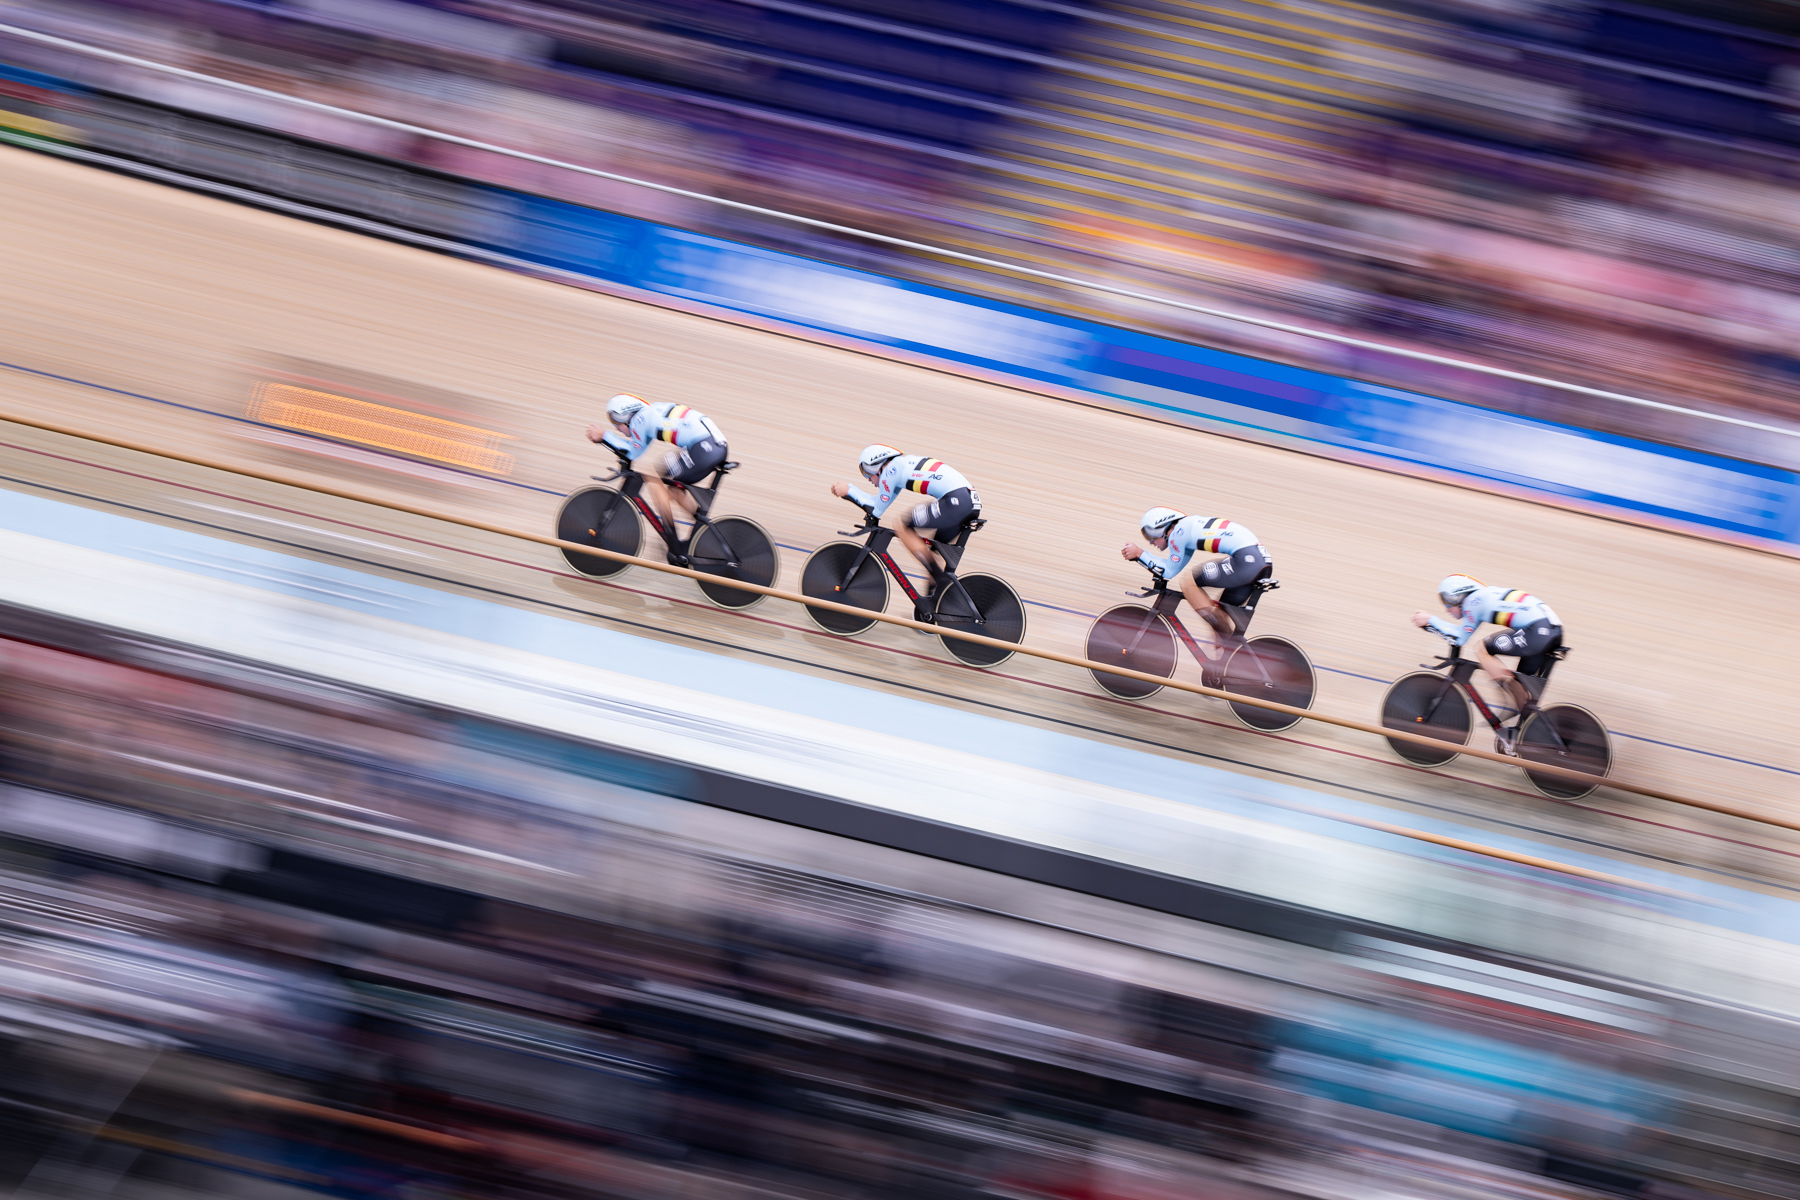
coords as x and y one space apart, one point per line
1136 638
1427 703
983 604
599 516
734 548
1269 668
1564 735
826 576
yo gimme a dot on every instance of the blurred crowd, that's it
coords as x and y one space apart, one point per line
1591 190
261 933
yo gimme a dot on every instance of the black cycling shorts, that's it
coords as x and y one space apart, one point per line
1234 574
947 514
693 463
1531 643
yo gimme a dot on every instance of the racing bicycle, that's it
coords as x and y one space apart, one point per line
1435 702
730 547
856 573
1143 639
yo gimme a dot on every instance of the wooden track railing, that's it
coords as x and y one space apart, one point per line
908 623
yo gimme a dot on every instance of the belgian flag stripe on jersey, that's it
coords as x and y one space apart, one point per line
676 413
924 468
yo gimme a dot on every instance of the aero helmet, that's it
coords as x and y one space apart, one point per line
622 407
874 457
1156 522
1452 588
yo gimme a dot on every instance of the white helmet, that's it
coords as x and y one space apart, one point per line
622 407
873 457
1156 522
1453 588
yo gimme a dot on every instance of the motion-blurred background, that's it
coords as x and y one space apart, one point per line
268 930
1600 192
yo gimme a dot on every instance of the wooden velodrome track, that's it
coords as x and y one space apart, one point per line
144 299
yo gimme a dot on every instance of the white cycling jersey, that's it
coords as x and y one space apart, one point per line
913 473
676 424
1498 606
1191 535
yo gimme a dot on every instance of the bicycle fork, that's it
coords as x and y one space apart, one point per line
1449 685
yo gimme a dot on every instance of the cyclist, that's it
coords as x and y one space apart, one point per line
944 502
1177 537
662 442
1532 630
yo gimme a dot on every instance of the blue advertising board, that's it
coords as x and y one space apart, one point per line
1208 388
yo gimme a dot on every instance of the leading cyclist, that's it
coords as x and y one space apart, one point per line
942 501
662 442
1176 537
1531 631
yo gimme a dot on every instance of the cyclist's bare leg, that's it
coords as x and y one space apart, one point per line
898 517
1216 617
1501 674
922 550
653 465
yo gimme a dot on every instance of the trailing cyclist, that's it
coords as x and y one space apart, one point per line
1531 631
667 444
1237 561
936 501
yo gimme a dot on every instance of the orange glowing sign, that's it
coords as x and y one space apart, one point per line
384 428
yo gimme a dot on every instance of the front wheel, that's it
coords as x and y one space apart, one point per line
827 576
599 516
1269 668
1427 703
1136 638
983 604
734 548
1564 735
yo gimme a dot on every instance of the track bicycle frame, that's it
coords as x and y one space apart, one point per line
1459 675
632 489
880 537
1167 602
